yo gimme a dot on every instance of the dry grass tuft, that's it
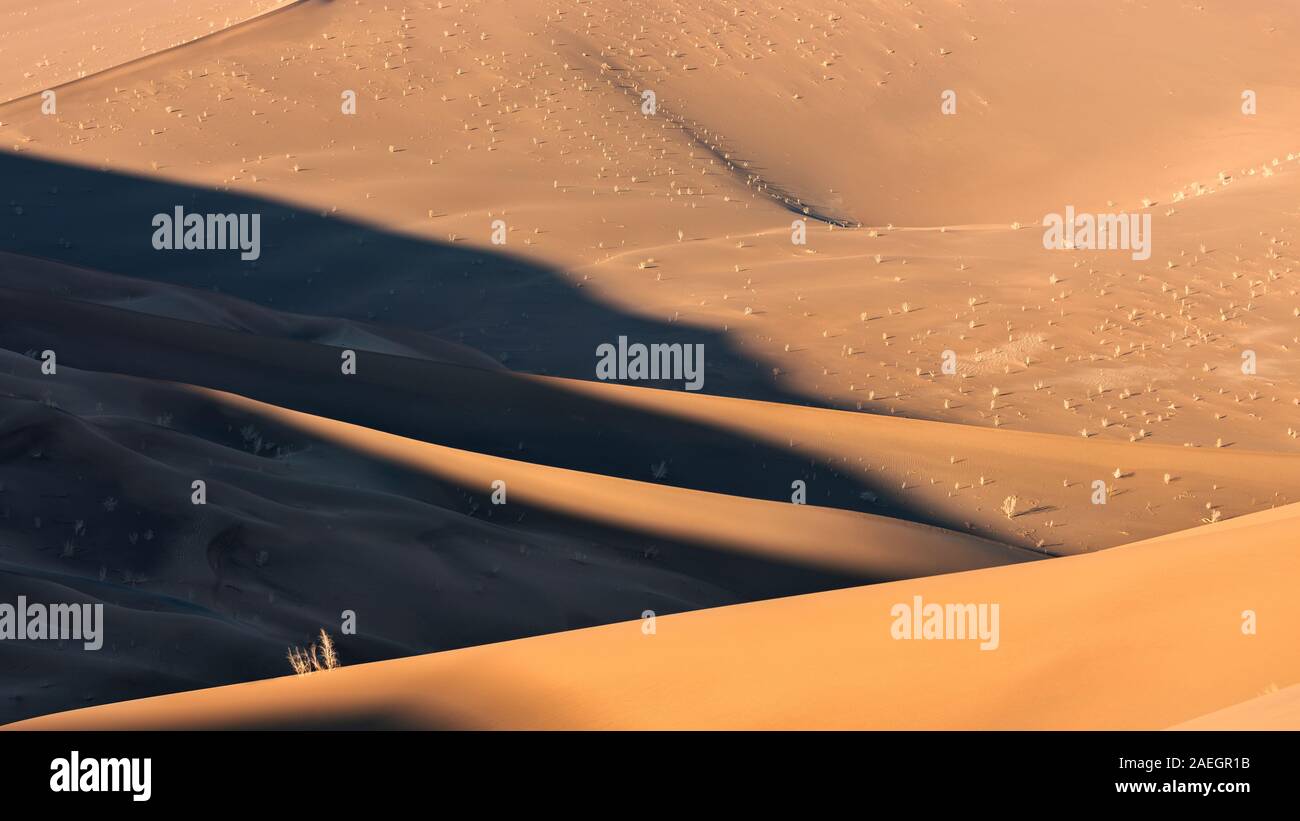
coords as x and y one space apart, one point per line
316 657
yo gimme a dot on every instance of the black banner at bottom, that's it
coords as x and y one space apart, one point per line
260 770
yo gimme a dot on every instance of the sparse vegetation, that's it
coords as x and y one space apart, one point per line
316 657
1009 506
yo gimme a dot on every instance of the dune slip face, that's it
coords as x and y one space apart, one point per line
497 364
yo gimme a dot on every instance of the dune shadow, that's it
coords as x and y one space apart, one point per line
266 568
531 318
376 285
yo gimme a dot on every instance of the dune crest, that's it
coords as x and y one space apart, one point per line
58 41
1112 640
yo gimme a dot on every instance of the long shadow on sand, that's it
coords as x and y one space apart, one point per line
95 467
327 267
530 317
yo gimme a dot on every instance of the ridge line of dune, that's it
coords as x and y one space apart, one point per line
134 61
595 497
773 191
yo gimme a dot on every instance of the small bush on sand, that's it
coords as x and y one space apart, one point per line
316 657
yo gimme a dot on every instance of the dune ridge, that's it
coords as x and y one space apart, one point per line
164 27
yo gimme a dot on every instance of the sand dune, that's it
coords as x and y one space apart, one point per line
57 41
472 196
1278 710
1113 640
952 476
97 505
870 545
1075 342
1032 84
163 300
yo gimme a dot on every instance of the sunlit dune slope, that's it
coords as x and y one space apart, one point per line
842 103
1277 710
1119 639
44 45
872 545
